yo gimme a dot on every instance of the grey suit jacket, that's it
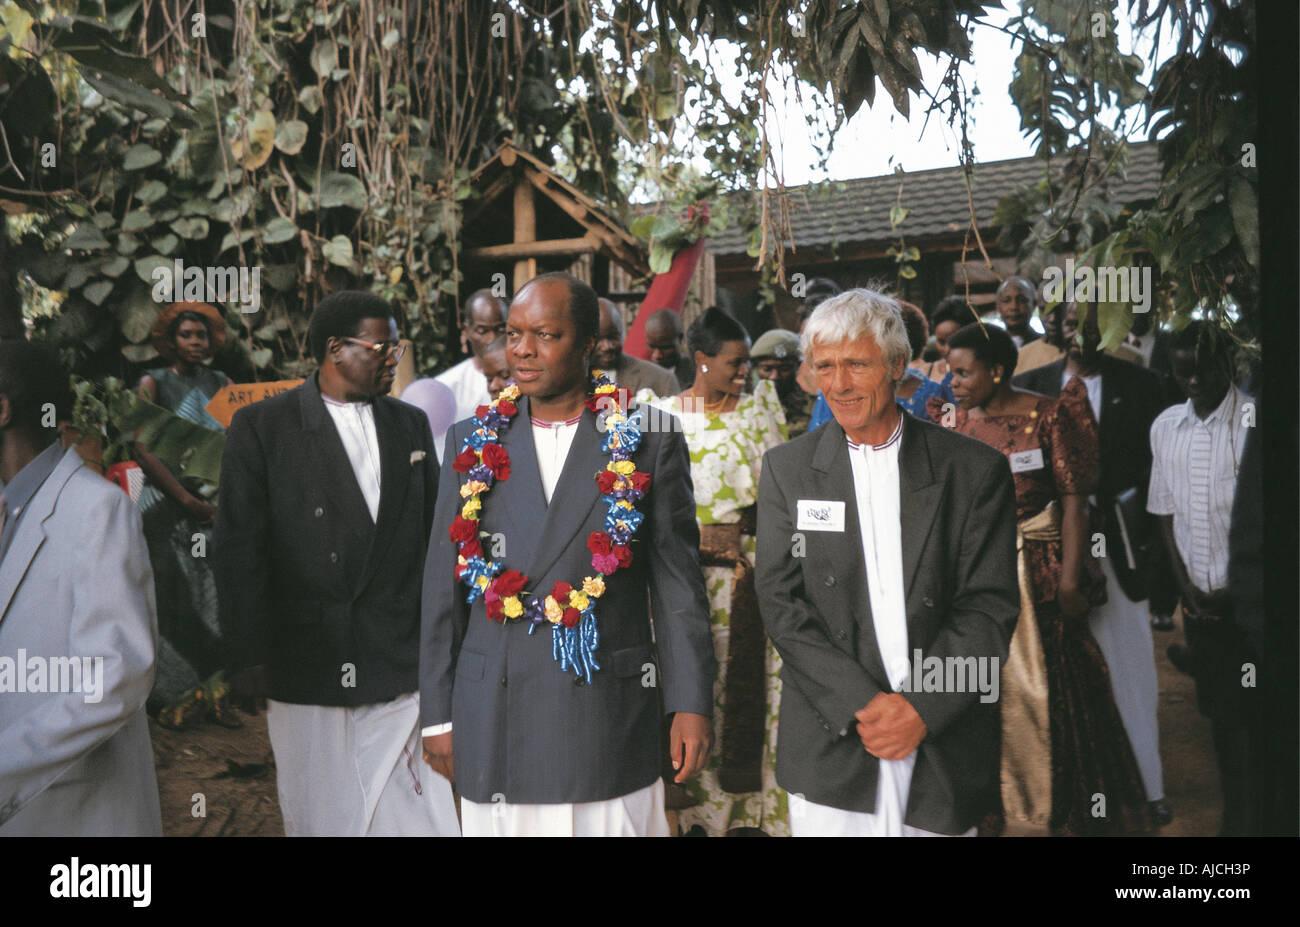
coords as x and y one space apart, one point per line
962 600
524 729
76 582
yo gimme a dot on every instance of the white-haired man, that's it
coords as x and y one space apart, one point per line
886 578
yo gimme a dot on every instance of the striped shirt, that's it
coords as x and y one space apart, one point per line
1194 465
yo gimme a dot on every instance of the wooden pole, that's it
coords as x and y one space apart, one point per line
525 231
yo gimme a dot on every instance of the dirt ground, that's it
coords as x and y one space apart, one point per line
234 771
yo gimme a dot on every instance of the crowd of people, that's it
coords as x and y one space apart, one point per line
747 555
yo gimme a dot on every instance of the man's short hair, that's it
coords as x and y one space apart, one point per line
340 315
817 291
991 345
582 305
1209 344
1025 284
856 314
665 317
32 376
468 316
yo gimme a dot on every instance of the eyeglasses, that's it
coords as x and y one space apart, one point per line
394 348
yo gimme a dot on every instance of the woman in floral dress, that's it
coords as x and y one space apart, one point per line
727 432
1063 743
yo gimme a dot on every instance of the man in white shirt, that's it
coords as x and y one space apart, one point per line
484 322
537 746
326 504
1196 452
886 548
1016 300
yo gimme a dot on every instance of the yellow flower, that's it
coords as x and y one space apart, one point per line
472 488
606 389
470 509
511 392
594 586
553 611
512 607
615 418
578 600
625 467
623 503
483 582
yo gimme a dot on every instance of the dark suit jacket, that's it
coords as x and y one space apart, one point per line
1131 398
958 514
306 582
522 727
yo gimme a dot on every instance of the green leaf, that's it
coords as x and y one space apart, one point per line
138 353
324 57
145 266
137 314
291 136
907 272
342 190
1245 216
338 250
897 214
281 276
261 357
279 230
98 291
661 257
137 220
231 239
193 228
391 38
115 266
86 238
151 192
310 98
165 244
140 156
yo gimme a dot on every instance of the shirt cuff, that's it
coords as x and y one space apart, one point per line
434 730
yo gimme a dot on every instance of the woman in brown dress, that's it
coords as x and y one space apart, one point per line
1066 759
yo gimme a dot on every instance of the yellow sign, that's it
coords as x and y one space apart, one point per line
237 395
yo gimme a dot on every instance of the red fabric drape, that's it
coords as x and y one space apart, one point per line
667 291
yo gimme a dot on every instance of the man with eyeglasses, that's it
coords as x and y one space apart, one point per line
326 504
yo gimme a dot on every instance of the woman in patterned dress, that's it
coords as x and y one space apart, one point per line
727 432
189 685
1066 760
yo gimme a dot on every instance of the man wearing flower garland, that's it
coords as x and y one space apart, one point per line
560 527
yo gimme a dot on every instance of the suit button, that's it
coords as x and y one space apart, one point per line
579 681
929 602
843 635
829 581
334 557
319 511
503 682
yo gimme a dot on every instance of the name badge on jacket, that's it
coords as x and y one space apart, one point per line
820 515
1022 461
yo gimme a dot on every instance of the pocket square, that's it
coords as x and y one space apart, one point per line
417 455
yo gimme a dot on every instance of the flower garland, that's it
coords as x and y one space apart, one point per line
569 610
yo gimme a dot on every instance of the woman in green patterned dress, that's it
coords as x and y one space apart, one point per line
727 433
189 685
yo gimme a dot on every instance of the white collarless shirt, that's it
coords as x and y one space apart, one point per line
551 441
355 423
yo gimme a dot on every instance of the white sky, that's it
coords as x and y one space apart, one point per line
878 138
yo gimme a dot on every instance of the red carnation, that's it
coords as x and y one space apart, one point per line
571 617
465 461
471 548
560 591
593 403
606 480
495 611
641 481
506 407
482 411
497 459
624 554
463 529
509 583
598 543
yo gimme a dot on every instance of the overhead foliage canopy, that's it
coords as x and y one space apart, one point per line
331 144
